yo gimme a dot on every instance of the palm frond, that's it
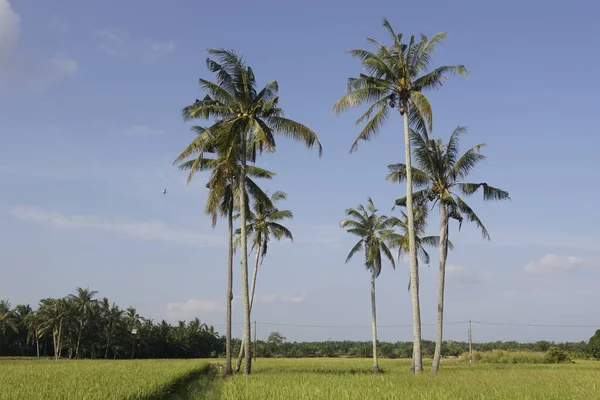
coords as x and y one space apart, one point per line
356 248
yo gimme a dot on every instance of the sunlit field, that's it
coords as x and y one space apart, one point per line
30 379
352 379
314 378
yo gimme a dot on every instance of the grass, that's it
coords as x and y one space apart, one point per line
315 378
352 379
34 379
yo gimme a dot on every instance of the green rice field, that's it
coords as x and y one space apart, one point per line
294 379
32 379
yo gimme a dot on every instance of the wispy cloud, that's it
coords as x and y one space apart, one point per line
142 130
35 75
10 27
461 275
143 230
118 42
555 264
294 298
195 307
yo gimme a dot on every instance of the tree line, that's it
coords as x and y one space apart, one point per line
277 346
243 121
81 326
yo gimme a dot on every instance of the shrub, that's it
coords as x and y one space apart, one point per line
554 355
507 357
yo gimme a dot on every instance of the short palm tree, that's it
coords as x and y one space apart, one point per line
246 121
7 321
399 239
440 175
221 202
84 301
264 223
396 78
373 231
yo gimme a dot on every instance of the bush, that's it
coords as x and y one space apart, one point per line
554 355
594 345
507 357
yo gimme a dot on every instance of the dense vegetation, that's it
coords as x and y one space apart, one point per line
80 326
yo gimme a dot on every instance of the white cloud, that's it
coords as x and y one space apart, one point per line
144 230
117 42
554 263
10 26
193 308
461 274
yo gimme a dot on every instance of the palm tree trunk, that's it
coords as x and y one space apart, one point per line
412 248
441 284
254 273
244 255
229 291
60 339
374 322
37 345
108 340
78 340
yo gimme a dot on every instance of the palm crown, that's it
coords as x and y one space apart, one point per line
396 77
264 222
441 173
243 115
373 230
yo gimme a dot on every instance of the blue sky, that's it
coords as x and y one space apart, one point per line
90 100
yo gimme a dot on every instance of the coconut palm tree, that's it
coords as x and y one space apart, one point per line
221 201
53 314
396 78
373 231
84 302
7 321
440 176
111 316
262 224
246 121
34 330
134 322
399 239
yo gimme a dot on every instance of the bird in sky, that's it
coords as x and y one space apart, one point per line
164 191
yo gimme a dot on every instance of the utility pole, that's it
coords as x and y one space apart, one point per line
470 345
255 340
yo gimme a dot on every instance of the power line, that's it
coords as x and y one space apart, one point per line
410 325
535 325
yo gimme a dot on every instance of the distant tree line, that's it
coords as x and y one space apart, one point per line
277 346
81 326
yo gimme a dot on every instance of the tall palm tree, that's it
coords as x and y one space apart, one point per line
373 231
263 223
397 76
7 321
84 301
221 201
440 174
246 121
